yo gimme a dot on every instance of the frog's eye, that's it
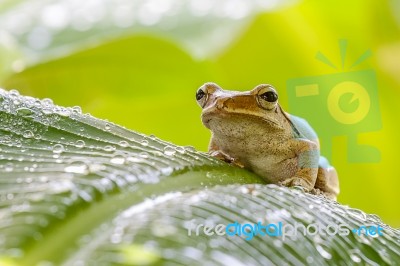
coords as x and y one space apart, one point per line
267 97
201 96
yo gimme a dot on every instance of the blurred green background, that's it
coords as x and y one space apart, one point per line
139 63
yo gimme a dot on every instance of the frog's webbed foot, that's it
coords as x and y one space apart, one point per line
226 158
300 182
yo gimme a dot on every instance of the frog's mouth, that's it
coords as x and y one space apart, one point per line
212 113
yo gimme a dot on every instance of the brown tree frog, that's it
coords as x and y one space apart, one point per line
251 130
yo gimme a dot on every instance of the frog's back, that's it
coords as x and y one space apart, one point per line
302 129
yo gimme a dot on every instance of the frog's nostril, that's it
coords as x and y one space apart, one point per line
220 104
223 103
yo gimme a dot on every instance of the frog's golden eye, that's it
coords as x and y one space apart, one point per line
201 96
267 97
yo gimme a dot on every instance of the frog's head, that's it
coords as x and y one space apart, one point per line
256 108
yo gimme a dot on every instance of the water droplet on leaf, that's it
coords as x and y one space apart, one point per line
109 148
28 134
77 109
190 149
9 167
77 168
180 149
26 112
58 148
80 143
118 159
168 150
123 143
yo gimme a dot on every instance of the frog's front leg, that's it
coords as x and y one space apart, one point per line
307 153
215 151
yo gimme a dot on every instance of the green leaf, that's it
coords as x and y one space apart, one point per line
145 78
56 163
74 189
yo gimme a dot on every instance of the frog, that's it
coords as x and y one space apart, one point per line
249 129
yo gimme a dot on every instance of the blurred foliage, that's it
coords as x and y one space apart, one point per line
144 77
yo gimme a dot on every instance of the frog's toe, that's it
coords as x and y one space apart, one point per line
317 191
237 163
296 181
221 156
226 158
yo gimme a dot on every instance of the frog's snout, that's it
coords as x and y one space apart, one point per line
222 103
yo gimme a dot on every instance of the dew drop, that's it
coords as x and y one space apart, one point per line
325 254
135 159
64 112
9 167
28 134
190 149
144 142
107 127
14 93
144 155
357 214
47 101
77 109
355 258
80 143
375 218
180 149
123 143
77 168
47 111
26 112
157 153
118 159
58 148
168 150
109 148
